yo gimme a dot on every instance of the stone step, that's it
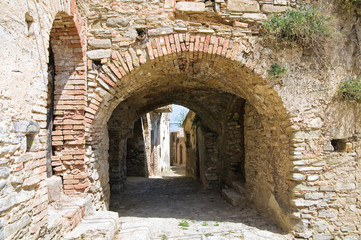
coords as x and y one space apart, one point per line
239 187
66 214
232 197
101 225
134 233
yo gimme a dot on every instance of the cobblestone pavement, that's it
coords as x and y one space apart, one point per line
176 207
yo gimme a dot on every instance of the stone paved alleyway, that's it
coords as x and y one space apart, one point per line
176 207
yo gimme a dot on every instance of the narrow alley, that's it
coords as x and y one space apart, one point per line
176 207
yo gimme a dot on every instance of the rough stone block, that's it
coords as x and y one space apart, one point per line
4 172
55 187
239 187
313 196
312 178
326 214
26 127
33 180
2 184
99 54
269 8
254 17
305 234
205 31
16 198
307 169
24 158
327 188
118 22
345 186
298 176
102 33
299 163
322 237
353 237
232 197
243 6
11 229
308 134
7 202
304 203
169 4
320 226
349 228
190 7
100 43
160 31
280 2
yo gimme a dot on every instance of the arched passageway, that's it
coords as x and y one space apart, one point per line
221 131
217 88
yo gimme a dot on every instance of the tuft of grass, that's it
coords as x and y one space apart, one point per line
164 237
208 234
204 224
183 223
276 70
351 89
305 25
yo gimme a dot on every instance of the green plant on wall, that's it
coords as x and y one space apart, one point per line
351 89
276 70
350 3
306 25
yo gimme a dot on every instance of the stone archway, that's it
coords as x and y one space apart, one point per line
184 61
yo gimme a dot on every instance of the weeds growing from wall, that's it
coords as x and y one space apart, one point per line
351 90
351 4
276 70
306 26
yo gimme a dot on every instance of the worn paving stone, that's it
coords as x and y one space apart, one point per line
162 204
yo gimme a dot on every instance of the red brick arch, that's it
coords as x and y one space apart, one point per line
123 63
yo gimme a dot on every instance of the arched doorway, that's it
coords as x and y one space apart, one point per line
196 79
66 105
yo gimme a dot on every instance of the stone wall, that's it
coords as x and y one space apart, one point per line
262 167
302 146
179 148
233 143
137 146
172 147
329 193
136 162
158 147
192 157
25 105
